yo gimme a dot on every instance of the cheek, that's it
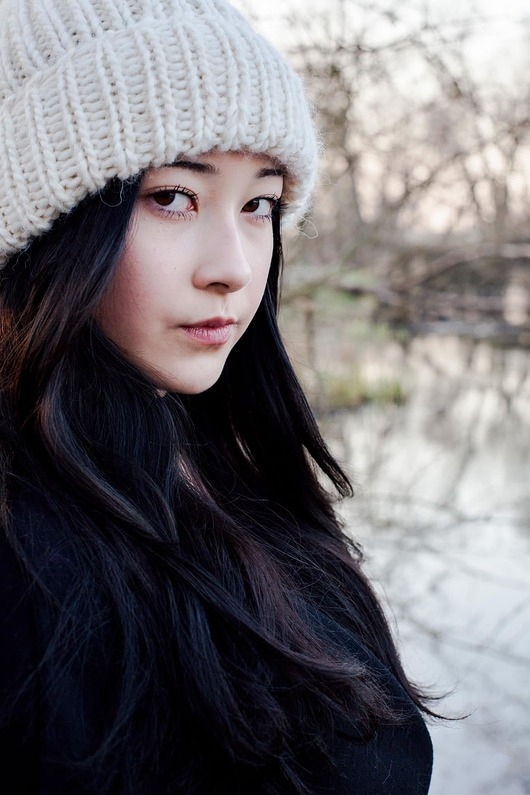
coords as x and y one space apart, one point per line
257 288
126 302
258 285
262 259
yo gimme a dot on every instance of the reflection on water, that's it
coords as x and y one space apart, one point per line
443 511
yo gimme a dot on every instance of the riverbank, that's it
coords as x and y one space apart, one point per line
442 508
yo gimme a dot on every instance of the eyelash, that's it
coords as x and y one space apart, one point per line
276 203
174 190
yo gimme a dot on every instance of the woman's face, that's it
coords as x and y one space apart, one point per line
194 268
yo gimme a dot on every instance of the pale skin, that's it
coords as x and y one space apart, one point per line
194 268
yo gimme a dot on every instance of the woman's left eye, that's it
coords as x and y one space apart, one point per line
261 207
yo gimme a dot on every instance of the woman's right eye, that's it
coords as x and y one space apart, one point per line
174 201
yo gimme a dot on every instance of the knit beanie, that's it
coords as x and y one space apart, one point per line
96 89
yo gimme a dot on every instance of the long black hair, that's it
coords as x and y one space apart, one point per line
198 562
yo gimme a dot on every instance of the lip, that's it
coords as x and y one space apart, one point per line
214 331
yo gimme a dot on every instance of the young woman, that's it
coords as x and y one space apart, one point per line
179 609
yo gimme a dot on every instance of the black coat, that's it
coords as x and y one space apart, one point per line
397 761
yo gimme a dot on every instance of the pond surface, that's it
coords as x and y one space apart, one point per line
442 508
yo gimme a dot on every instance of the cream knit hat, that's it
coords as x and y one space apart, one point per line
95 89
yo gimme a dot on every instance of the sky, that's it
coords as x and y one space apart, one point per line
496 24
497 10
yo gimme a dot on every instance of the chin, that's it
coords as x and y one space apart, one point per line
181 380
186 386
192 390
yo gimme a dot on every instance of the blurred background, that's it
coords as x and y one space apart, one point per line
406 310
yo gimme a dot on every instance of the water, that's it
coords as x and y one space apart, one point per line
442 508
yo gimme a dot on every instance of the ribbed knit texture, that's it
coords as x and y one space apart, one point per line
94 89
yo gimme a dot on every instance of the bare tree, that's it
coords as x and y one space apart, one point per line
424 161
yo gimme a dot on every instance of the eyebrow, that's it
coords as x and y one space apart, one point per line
208 168
279 171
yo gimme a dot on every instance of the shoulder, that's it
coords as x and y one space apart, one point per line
45 614
15 612
42 543
18 658
36 570
15 584
398 758
27 531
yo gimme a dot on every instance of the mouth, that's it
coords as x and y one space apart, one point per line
214 331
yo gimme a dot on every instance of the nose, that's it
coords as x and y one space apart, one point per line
225 265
